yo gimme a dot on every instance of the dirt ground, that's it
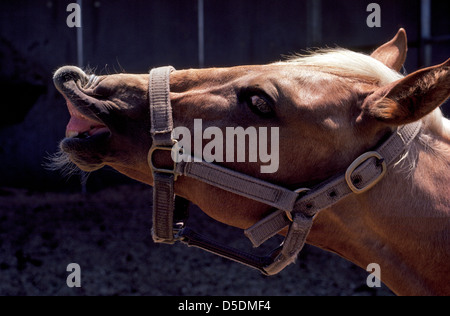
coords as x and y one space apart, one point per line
108 234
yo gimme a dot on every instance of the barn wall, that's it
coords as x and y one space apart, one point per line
136 35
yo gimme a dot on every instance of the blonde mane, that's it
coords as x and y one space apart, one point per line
347 63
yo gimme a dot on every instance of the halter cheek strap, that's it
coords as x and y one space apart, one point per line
161 131
295 209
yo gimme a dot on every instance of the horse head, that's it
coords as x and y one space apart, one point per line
319 113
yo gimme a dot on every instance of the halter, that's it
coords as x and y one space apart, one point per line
295 209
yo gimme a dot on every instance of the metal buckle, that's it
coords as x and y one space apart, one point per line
298 191
355 164
164 170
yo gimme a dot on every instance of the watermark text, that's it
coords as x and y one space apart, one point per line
240 145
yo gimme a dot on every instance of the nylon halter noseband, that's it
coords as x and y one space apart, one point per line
295 209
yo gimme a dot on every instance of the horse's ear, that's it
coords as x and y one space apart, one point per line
410 98
393 53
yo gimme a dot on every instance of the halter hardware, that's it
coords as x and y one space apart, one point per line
355 164
300 192
172 150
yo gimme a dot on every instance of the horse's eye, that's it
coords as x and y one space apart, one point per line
257 101
260 105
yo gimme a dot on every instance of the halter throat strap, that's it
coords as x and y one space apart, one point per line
295 209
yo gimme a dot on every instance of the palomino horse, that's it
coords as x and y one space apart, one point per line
329 114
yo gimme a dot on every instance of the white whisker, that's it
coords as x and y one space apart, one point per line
61 162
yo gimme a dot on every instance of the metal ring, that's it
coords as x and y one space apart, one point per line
298 191
358 162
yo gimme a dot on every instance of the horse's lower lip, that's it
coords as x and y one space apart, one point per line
85 138
88 133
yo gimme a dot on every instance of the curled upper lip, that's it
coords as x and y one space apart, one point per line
68 74
71 81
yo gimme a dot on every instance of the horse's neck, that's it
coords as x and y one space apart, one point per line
402 224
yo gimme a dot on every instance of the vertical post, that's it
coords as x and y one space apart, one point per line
201 34
314 20
80 61
425 32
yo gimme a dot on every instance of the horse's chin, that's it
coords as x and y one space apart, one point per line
85 165
87 152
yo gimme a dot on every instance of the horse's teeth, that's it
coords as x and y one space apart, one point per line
71 134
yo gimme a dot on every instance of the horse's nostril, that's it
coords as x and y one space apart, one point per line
70 73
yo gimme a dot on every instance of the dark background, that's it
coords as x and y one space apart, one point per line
134 36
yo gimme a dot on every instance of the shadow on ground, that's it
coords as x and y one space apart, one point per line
108 234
